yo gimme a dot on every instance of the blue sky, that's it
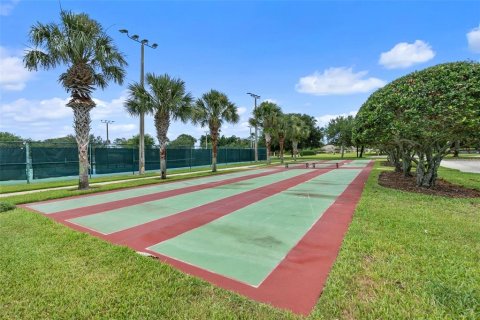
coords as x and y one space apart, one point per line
317 57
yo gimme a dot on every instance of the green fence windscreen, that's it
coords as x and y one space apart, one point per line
12 162
48 161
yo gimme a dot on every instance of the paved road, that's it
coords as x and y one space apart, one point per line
462 165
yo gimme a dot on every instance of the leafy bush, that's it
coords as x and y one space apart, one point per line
5 206
307 153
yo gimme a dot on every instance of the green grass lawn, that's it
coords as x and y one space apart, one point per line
405 256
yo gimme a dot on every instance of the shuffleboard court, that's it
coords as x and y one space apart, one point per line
271 234
49 207
248 244
356 163
115 220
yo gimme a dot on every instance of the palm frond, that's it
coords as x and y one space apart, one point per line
139 100
213 109
77 40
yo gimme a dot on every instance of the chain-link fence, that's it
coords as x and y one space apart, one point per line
34 160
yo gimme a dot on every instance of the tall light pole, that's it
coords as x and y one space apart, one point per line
255 96
107 122
141 142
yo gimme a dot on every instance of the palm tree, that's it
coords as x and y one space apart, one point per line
266 116
282 129
167 100
92 60
212 110
297 130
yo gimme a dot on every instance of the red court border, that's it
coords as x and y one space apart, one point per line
285 287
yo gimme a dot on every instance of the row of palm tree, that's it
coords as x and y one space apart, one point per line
276 124
167 100
92 60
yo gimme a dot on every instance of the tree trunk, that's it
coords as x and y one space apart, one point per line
342 149
162 123
294 149
456 149
427 166
163 160
214 134
281 142
357 151
81 123
268 140
394 158
361 151
407 156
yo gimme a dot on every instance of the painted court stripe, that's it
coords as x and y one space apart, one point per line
298 280
249 243
148 234
117 204
129 216
56 205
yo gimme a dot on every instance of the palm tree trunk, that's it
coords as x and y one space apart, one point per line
81 123
162 122
163 160
295 149
214 134
268 140
281 142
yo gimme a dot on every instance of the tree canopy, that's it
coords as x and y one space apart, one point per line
134 141
339 132
183 140
423 113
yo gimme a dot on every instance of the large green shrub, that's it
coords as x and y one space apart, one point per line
418 117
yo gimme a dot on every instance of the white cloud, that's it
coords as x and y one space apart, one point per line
338 81
31 111
271 100
13 75
323 121
473 38
105 109
6 6
42 119
122 128
241 110
404 55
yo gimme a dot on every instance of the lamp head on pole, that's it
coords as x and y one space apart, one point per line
253 95
123 31
135 37
154 46
144 41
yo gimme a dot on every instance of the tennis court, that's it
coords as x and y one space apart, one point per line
270 234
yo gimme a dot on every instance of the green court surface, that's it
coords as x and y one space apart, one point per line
56 206
249 243
357 163
119 219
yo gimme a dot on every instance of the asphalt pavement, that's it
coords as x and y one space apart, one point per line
463 165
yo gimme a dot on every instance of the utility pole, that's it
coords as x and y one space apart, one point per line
141 142
250 137
255 96
107 122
